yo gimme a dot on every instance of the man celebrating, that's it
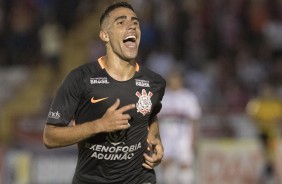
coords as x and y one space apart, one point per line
114 103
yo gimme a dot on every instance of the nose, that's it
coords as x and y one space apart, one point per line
131 25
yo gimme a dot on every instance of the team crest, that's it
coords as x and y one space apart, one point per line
144 103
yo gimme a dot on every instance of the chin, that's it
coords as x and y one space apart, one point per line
131 56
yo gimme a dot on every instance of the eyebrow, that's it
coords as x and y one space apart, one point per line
124 17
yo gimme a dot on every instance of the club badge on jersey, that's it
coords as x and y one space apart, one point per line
144 104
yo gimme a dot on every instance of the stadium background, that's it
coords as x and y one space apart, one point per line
228 48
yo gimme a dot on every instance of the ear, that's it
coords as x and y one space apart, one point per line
104 36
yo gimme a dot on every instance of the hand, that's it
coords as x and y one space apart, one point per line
155 158
114 119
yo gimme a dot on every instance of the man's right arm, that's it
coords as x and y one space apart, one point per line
58 136
114 119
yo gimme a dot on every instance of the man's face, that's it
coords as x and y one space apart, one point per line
122 26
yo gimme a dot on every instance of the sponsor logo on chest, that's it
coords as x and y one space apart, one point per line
99 80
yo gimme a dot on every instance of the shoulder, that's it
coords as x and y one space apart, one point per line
84 70
152 76
188 94
187 91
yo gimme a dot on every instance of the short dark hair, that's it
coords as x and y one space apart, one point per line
112 7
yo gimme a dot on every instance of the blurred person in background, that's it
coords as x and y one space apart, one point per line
114 103
178 121
266 111
21 34
51 38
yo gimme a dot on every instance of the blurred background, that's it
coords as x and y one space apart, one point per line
231 54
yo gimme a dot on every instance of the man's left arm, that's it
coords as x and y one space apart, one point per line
155 146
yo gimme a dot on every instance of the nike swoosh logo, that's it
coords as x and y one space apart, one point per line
98 100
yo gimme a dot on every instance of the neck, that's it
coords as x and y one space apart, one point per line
117 68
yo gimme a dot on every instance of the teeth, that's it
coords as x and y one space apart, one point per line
130 37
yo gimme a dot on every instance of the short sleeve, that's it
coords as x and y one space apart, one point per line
157 108
194 109
66 100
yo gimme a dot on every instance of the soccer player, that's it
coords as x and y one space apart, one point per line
114 103
178 121
266 111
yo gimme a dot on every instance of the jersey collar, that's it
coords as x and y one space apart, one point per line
137 67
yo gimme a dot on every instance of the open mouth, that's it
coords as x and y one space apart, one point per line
130 41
